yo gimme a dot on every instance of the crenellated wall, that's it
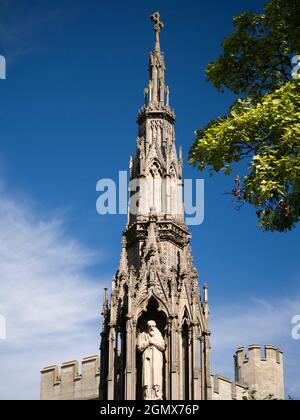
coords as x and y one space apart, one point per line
253 372
67 384
262 373
224 389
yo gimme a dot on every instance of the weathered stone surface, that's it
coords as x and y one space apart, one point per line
263 374
68 384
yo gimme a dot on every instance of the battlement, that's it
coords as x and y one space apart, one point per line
224 389
67 383
253 371
260 372
254 353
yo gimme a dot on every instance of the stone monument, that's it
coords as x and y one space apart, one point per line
155 339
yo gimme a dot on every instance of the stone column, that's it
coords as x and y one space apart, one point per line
130 380
121 385
191 361
174 394
103 367
111 362
206 378
195 356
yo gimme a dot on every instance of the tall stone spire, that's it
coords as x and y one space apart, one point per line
156 280
157 94
158 25
157 90
156 166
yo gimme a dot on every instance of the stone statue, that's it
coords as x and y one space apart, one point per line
152 345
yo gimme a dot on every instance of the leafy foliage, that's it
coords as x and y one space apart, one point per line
257 56
264 125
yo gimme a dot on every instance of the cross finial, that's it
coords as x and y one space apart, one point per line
158 25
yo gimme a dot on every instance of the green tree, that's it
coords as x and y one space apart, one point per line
263 125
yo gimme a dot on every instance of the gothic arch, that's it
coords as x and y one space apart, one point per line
153 313
155 185
188 296
173 171
155 168
185 316
143 305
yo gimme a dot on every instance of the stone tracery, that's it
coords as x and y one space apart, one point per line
156 279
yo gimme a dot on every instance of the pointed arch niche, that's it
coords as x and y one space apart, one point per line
155 186
173 191
152 313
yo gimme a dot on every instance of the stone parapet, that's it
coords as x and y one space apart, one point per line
67 383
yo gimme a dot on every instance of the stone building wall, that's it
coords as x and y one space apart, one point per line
264 374
68 384
224 389
253 372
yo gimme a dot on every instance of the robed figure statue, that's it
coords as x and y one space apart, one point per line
152 345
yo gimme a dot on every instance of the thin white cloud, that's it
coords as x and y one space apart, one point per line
52 307
49 299
257 322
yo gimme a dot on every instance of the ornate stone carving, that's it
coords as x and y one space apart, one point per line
156 279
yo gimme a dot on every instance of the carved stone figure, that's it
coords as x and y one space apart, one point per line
152 345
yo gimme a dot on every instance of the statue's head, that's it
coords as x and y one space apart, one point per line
151 327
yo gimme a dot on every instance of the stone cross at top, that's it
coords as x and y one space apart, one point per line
158 25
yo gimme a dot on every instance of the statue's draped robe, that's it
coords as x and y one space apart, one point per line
152 375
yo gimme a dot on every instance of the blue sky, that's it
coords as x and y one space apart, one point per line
76 71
